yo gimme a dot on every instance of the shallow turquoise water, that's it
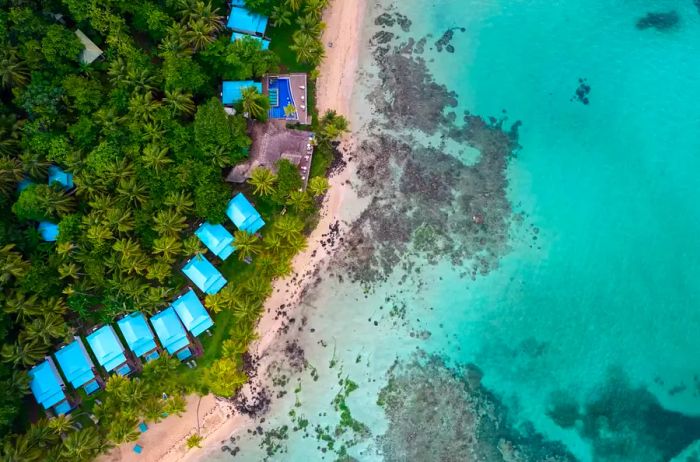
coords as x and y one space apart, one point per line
612 280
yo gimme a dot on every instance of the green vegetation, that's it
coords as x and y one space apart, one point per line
146 138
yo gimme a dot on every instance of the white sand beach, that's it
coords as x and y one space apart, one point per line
166 441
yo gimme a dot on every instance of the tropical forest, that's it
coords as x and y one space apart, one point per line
143 134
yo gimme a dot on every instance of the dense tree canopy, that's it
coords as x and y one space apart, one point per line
146 138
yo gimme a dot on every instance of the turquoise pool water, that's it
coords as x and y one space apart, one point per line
587 331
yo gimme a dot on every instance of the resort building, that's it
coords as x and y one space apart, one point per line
192 313
109 351
243 214
204 275
48 231
90 51
77 366
24 184
216 238
171 334
264 43
59 176
232 90
48 388
139 336
288 97
245 21
272 141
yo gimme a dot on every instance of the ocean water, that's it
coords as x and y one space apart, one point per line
560 292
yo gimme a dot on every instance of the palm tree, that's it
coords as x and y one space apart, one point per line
160 270
61 424
168 246
140 79
246 244
294 5
179 102
258 287
300 201
247 308
155 157
263 181
254 103
216 303
169 222
221 156
10 134
23 306
201 33
194 441
47 328
123 430
310 25
82 445
55 201
22 353
12 265
11 173
318 185
281 16
307 48
181 201
290 110
133 191
314 8
21 449
144 107
34 165
288 226
13 71
191 246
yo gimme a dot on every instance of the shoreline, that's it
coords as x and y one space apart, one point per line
166 441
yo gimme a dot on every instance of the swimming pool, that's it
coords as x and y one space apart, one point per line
282 88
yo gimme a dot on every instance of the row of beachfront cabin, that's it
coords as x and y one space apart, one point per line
176 328
221 243
245 23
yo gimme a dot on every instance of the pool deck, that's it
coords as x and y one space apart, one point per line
299 88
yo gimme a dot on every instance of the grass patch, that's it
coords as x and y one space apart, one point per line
281 40
191 378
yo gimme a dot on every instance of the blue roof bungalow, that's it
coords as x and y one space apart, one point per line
204 275
24 184
216 238
264 43
231 90
171 334
192 313
109 351
48 231
77 366
243 20
139 336
48 388
243 214
59 176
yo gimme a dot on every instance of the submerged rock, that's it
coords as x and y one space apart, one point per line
660 21
437 413
625 423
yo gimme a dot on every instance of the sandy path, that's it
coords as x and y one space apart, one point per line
166 441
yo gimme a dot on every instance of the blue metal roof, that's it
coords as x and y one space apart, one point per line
58 175
137 333
231 90
107 348
204 275
75 363
237 2
265 43
169 330
46 384
48 231
243 20
216 238
24 184
192 313
243 214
